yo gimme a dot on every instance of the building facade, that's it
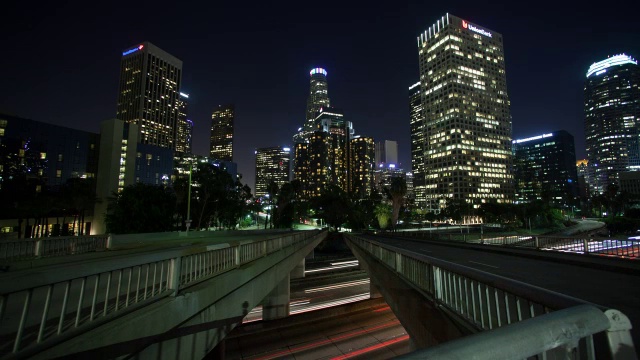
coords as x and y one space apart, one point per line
612 119
149 93
272 164
416 127
49 153
340 132
386 152
545 169
467 120
318 99
362 166
184 131
630 182
221 145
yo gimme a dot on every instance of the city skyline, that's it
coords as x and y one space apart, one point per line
546 53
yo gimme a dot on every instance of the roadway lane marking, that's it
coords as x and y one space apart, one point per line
479 263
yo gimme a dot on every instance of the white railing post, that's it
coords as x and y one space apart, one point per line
176 265
618 335
37 250
585 243
537 242
109 241
399 262
236 253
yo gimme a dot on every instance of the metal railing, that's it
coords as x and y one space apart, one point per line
44 309
23 249
480 300
556 332
581 245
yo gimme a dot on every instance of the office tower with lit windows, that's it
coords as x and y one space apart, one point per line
416 127
467 121
612 119
149 93
362 166
311 164
222 133
184 130
272 164
318 98
545 169
340 132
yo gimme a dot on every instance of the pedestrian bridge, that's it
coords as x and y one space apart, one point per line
168 296
174 303
452 310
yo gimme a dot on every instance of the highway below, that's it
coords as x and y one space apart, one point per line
367 330
326 284
611 289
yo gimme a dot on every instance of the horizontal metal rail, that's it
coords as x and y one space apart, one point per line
47 307
560 330
481 300
23 249
629 248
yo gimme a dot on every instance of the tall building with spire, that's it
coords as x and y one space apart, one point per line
221 146
612 119
149 93
467 120
318 98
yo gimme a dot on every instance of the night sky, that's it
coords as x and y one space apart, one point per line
60 61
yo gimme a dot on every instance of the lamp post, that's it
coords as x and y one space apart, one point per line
188 221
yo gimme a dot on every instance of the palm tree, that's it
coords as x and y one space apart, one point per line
382 212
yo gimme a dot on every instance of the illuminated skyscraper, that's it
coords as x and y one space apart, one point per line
331 121
184 131
467 121
416 126
612 119
362 166
222 133
148 93
545 169
318 98
272 164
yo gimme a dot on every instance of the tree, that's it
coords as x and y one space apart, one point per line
383 212
333 205
209 191
397 191
141 208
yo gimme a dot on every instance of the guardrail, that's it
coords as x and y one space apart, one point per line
23 249
41 311
581 245
481 300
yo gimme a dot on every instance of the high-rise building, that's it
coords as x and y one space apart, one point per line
318 99
467 121
311 164
272 164
583 179
362 166
45 152
545 169
148 93
612 119
184 130
416 126
386 152
340 132
222 133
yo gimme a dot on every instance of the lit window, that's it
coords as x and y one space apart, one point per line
43 155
